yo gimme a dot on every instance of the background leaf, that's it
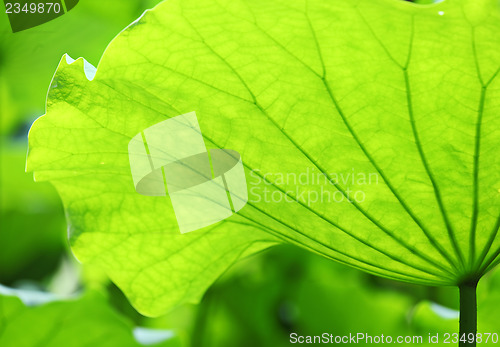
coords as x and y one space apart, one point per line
28 58
72 323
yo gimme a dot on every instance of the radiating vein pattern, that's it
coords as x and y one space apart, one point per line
368 130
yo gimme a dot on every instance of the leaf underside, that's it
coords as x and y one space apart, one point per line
405 95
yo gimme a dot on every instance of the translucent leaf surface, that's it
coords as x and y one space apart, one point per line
404 96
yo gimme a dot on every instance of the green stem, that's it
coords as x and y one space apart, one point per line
468 313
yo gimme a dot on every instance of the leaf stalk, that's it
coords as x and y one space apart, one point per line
468 313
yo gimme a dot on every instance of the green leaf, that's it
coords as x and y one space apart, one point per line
404 96
72 323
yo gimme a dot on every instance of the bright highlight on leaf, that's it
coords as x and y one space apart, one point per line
368 130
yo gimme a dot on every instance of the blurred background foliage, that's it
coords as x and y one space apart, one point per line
259 302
